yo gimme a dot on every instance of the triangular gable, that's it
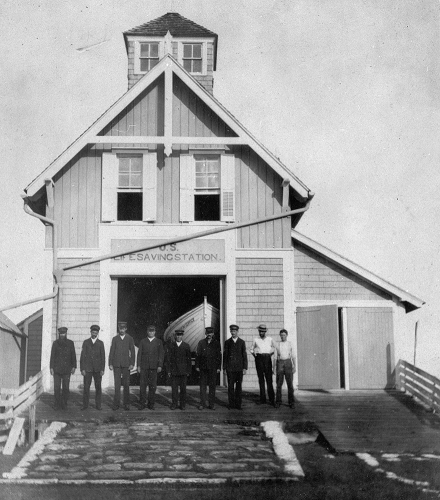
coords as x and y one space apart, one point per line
410 301
167 65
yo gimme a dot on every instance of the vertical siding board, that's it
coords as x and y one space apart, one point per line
253 199
238 201
270 207
278 224
177 105
93 195
175 192
65 218
137 117
244 189
261 200
167 189
162 159
82 199
73 211
160 107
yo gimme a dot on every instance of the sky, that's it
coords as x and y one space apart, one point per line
345 92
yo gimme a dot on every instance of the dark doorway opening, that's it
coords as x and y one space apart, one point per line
160 301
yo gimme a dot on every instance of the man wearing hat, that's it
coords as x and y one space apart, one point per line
235 364
92 364
208 363
62 365
262 349
149 363
121 361
178 365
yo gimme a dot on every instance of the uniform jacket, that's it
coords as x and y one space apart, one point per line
235 356
122 352
208 356
151 354
63 356
92 356
178 359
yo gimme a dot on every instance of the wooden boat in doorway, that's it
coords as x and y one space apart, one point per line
194 323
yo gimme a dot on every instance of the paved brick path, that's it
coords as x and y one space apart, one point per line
144 450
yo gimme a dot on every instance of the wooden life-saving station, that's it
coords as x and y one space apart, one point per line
125 204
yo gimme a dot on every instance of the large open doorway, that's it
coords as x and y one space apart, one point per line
161 301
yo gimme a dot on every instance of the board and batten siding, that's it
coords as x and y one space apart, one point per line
260 299
77 202
317 278
79 305
34 332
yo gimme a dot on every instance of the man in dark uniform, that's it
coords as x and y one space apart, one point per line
62 365
92 364
121 361
178 363
149 363
235 364
208 363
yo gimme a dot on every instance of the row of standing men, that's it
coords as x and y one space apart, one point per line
175 358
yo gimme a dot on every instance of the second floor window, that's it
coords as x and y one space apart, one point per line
130 187
149 55
192 57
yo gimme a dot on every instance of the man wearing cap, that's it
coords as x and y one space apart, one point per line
262 349
178 364
149 363
285 368
235 364
92 364
121 361
208 363
62 365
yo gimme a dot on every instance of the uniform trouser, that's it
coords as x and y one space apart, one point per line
208 378
98 392
61 397
178 381
285 371
148 377
263 364
235 380
124 372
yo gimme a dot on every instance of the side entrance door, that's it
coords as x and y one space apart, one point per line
370 347
318 347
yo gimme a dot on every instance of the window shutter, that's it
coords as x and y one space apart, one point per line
110 171
187 184
149 187
227 198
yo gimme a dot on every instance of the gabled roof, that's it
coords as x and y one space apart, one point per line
409 301
31 317
167 64
177 25
7 325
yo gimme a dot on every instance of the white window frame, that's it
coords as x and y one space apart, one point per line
203 43
188 189
110 185
137 51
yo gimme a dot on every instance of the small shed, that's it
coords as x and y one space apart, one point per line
32 327
12 354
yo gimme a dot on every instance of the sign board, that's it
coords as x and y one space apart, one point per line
192 251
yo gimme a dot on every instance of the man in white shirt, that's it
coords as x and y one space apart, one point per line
262 349
286 367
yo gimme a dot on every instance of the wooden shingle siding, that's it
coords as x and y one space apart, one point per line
35 330
77 200
317 278
79 305
260 299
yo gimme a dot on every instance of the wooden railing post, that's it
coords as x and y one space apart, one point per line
31 424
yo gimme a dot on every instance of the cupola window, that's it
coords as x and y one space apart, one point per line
149 55
192 57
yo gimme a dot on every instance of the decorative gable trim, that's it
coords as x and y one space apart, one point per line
169 66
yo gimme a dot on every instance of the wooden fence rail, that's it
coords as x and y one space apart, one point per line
15 401
419 384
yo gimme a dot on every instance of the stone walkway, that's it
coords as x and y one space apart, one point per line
140 450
